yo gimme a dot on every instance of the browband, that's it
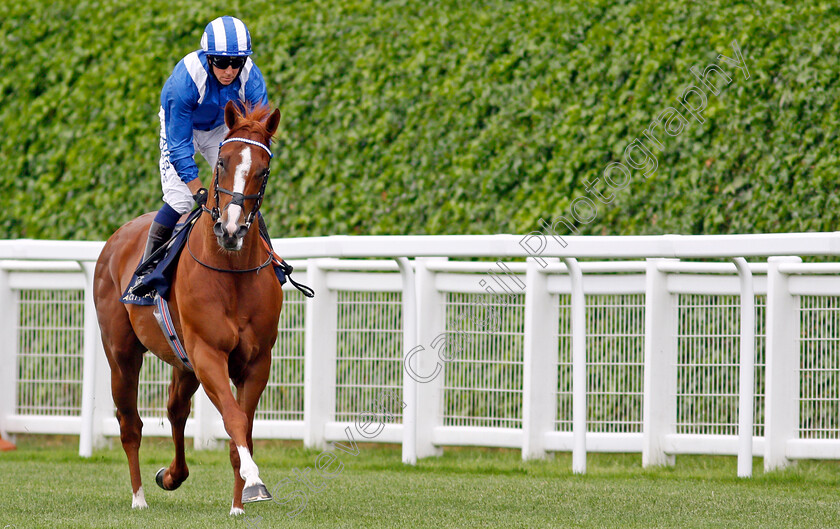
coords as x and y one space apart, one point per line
252 142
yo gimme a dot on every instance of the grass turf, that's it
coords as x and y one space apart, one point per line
45 484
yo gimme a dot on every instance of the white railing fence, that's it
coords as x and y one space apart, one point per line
648 352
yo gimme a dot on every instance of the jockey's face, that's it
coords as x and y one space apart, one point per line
227 75
226 68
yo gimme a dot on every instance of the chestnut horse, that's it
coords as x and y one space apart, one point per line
227 321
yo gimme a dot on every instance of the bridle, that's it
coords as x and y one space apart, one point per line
238 198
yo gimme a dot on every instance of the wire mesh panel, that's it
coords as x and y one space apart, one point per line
760 364
615 348
153 388
819 378
483 383
708 354
50 345
283 396
614 363
563 418
369 352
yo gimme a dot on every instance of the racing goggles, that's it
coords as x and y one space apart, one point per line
222 62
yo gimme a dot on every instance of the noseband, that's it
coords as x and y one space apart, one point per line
238 198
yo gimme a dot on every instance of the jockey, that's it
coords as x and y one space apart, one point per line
192 117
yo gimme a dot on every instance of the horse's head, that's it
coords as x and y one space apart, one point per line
241 172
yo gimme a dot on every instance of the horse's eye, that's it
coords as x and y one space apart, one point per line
264 174
221 163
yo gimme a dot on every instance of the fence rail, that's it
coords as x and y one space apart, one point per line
648 352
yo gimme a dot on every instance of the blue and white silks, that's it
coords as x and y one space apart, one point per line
192 99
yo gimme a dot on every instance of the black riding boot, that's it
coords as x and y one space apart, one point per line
158 235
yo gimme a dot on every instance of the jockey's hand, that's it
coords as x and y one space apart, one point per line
195 185
200 197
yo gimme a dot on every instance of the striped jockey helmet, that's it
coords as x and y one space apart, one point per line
226 36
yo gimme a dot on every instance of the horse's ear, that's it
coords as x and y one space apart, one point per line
230 114
273 122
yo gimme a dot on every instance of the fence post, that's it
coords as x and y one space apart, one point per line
430 324
8 351
205 415
539 388
319 352
781 412
660 378
579 407
746 384
94 369
409 324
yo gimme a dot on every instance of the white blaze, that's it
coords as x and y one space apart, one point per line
241 172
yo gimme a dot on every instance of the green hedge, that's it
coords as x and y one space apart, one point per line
447 117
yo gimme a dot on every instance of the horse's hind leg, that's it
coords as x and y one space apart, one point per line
125 375
183 386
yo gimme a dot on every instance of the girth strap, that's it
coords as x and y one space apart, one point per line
164 319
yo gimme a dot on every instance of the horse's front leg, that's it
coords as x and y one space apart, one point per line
211 368
250 384
183 386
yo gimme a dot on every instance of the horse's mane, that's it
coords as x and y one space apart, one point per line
252 119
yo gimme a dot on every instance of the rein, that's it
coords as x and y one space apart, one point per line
228 270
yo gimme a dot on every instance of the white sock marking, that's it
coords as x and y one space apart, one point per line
236 511
138 499
242 171
247 468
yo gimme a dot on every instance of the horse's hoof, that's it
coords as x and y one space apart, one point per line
159 478
254 493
